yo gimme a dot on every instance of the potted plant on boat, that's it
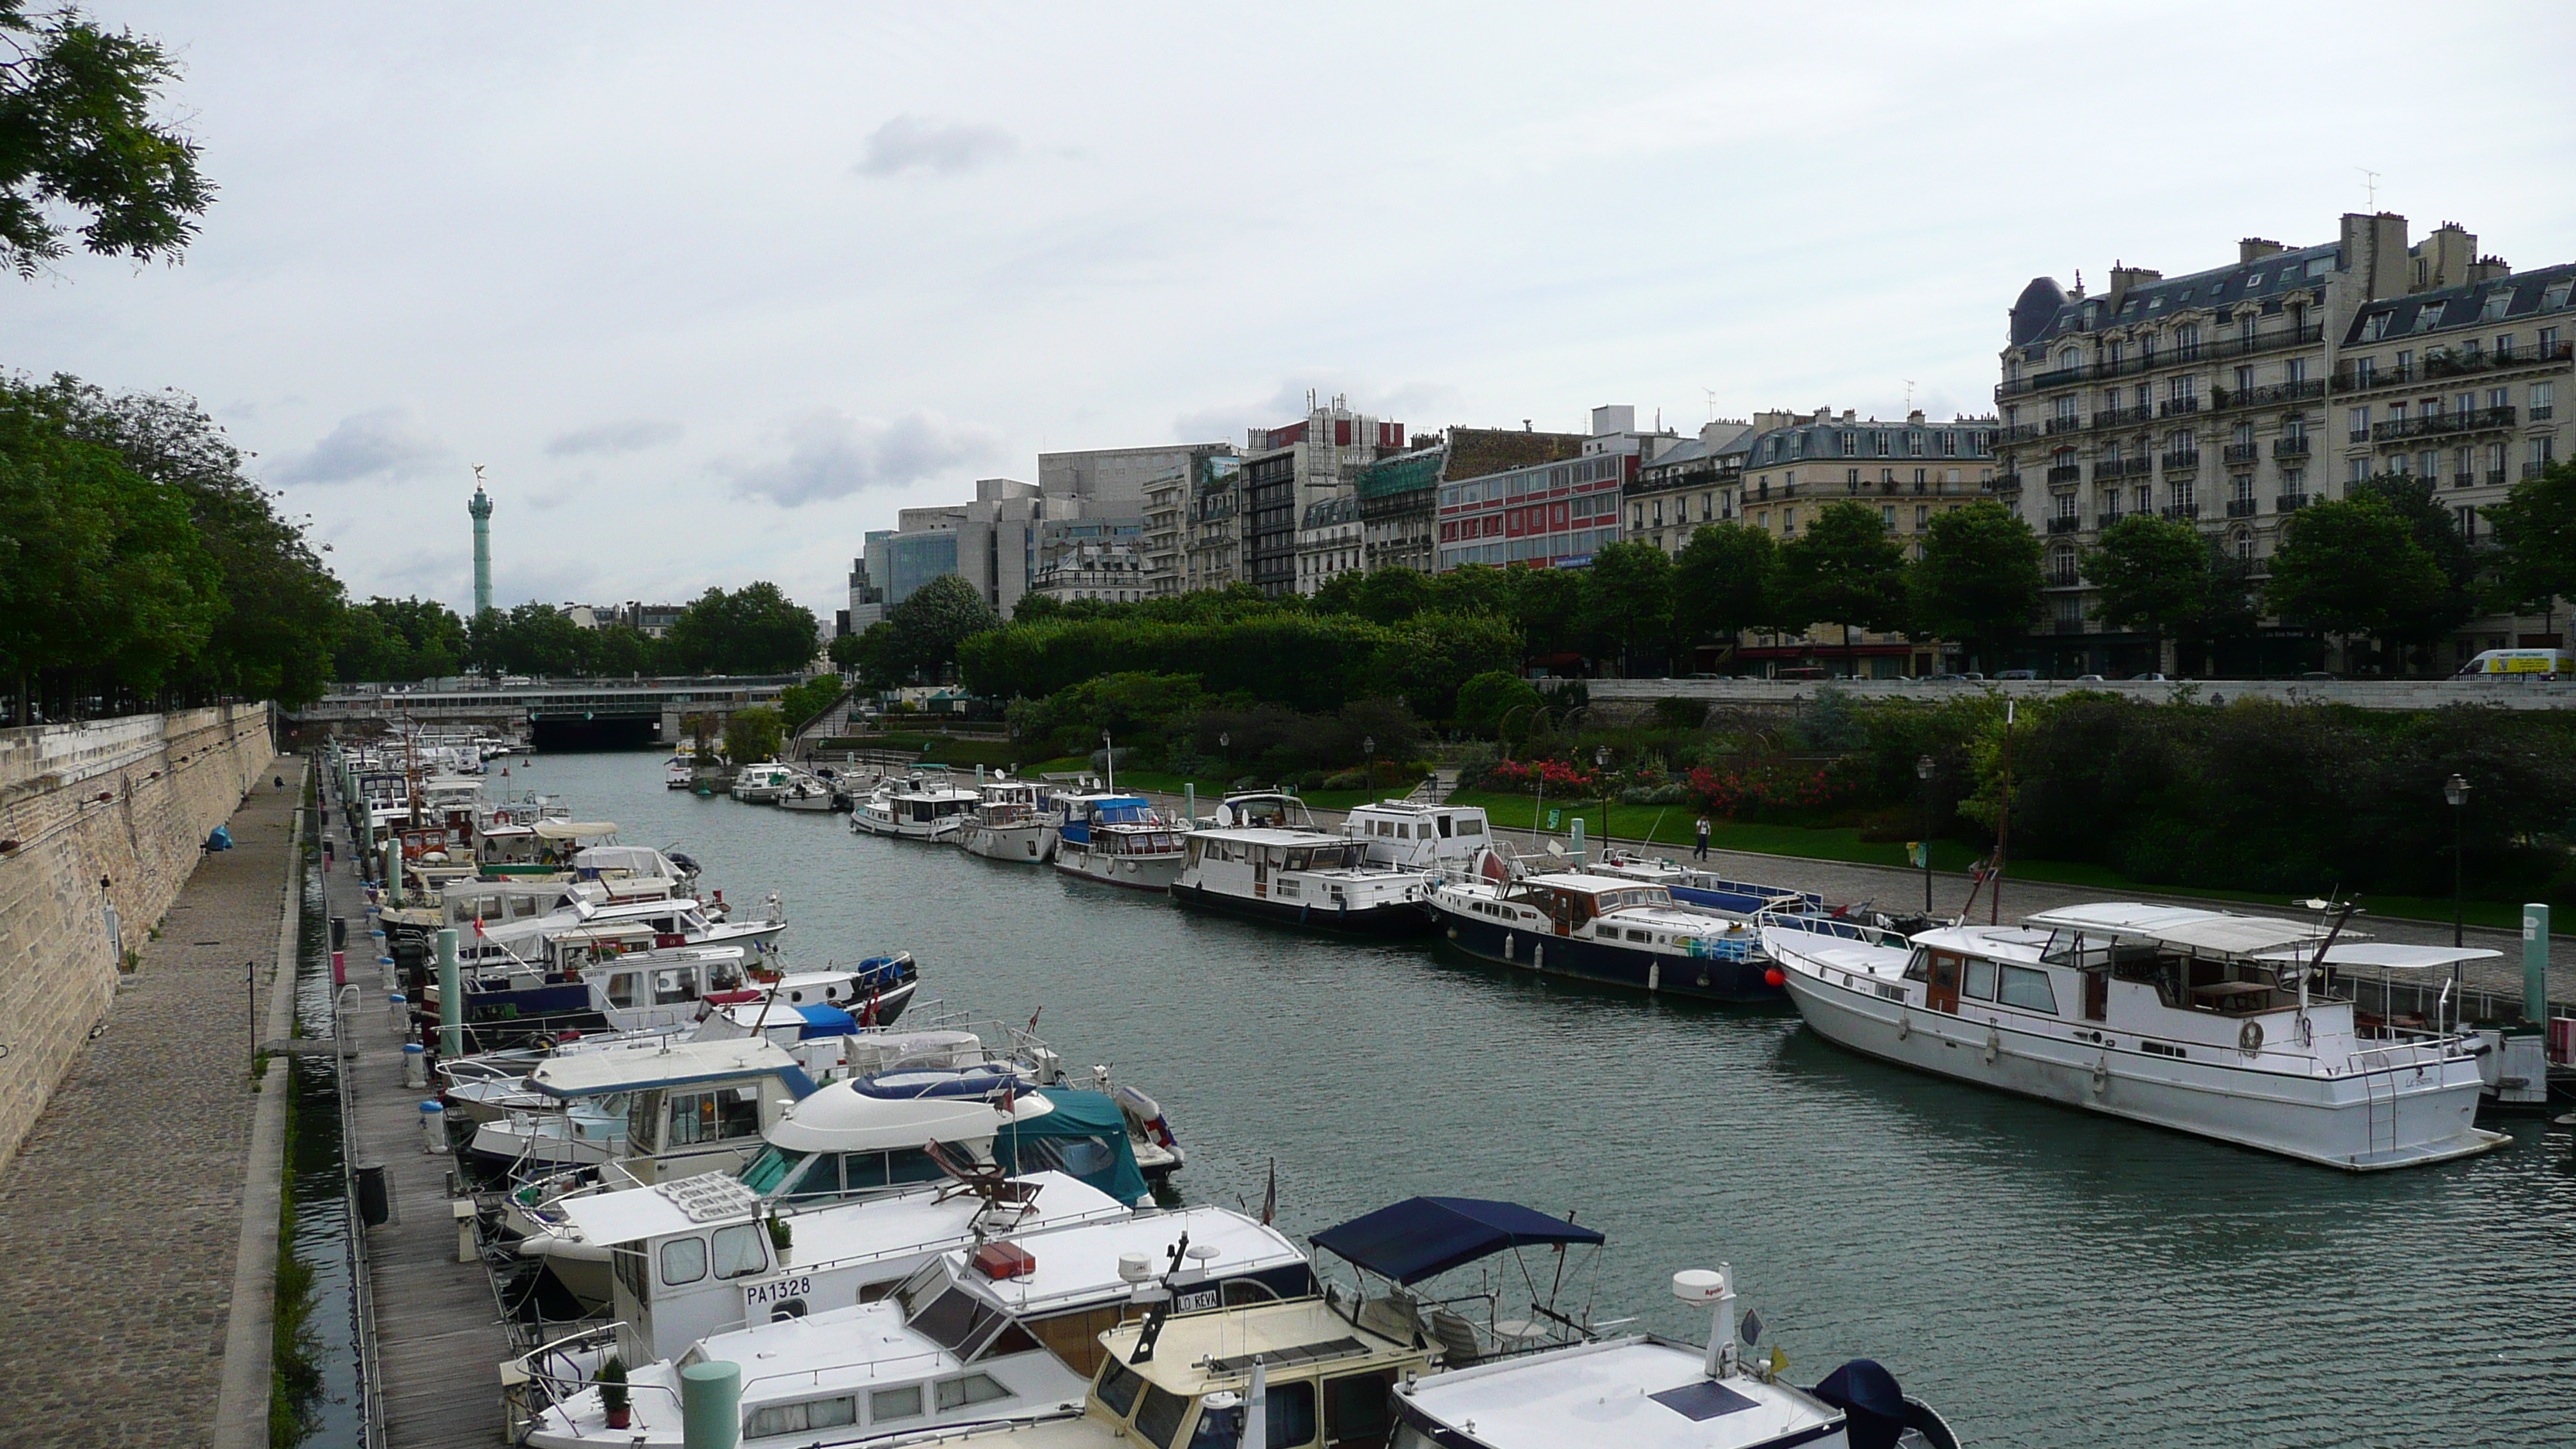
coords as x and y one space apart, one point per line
612 1392
779 1237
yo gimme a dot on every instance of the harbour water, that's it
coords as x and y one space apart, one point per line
2043 1276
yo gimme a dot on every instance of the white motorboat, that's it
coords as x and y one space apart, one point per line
669 1111
2224 1025
763 783
913 809
1009 822
677 774
1117 839
805 792
1024 1314
1445 839
1302 878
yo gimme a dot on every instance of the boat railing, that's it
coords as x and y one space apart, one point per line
2418 1050
1824 925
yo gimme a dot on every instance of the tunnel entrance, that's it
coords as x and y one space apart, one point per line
637 733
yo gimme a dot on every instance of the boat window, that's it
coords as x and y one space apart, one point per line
889 1404
621 989
1981 981
1606 933
809 1414
626 1265
770 1168
1082 1157
712 1116
2028 989
1118 1386
1355 1406
972 1389
1290 1408
1641 936
738 1253
1444 827
953 1320
1470 825
684 1260
675 985
1158 1422
1297 859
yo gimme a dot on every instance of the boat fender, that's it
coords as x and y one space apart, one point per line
1904 1026
1994 1045
2101 1075
2249 1038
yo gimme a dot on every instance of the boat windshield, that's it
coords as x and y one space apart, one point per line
771 1168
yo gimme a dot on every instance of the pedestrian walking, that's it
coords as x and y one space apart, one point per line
1702 852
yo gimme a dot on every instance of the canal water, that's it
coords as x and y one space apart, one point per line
332 1410
2043 1276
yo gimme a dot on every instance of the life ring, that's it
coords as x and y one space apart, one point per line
2249 1038
500 817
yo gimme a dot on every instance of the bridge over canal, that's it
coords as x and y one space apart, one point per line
558 713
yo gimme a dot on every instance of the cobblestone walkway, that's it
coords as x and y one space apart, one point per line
120 1215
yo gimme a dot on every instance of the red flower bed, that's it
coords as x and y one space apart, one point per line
1528 775
1775 787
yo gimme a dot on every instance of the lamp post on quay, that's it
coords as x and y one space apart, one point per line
1368 747
2456 791
1923 769
1601 767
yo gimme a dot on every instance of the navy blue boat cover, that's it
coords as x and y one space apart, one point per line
1425 1236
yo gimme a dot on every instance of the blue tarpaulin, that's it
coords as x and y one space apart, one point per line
1085 1137
825 1021
1425 1236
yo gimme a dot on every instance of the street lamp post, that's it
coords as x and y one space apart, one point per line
1109 759
1368 747
1923 768
2456 790
1601 767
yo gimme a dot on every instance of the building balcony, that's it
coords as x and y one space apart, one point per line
2105 518
2066 473
2006 483
2292 447
2241 508
2289 502
2064 579
2122 417
2261 342
2184 511
2495 477
2017 433
2066 626
2472 420
2177 407
2064 523
2534 470
2181 462
2110 468
2264 397
2243 453
2071 423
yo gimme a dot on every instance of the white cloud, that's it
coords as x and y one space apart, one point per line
633 435
830 454
944 148
379 444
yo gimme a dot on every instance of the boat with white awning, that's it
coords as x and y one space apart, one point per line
2230 1026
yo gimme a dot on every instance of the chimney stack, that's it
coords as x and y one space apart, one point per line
2255 249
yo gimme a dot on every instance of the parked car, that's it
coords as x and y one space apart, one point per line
1948 678
2016 674
2319 674
2090 679
2152 678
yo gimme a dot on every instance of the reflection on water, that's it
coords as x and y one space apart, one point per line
2046 1277
334 1415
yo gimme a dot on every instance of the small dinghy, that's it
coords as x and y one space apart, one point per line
984 1079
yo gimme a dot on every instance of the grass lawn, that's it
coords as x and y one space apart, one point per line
1671 825
1212 790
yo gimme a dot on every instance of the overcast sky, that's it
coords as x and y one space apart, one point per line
712 290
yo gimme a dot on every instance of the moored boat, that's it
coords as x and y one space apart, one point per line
2223 1025
1608 930
1117 839
913 809
1009 822
1301 878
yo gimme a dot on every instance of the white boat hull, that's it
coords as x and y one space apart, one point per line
878 822
1136 872
1023 843
2403 1116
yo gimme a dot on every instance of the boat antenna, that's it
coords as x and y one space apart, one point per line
1161 1311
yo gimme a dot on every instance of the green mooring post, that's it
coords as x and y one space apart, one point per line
1575 843
2535 962
711 1406
1189 806
393 873
451 998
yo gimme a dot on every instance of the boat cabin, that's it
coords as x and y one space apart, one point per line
690 1105
1425 837
1263 810
1078 814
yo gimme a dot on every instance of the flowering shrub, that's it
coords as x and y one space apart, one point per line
1528 775
1773 786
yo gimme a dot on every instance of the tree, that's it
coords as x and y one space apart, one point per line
398 639
1484 700
282 608
1725 581
102 576
757 630
2352 566
1628 598
2437 532
938 617
76 134
1978 580
1844 569
1547 605
800 704
2154 574
753 734
1426 659
2535 531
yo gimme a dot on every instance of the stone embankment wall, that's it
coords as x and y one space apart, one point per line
2369 694
129 801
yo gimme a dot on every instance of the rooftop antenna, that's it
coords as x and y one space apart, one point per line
1909 394
2369 185
1712 402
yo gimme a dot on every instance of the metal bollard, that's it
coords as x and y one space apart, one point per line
433 1126
339 968
401 1007
462 1209
415 1066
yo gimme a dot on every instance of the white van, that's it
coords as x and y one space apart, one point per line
2521 663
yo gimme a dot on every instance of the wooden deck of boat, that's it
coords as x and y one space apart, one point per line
438 1334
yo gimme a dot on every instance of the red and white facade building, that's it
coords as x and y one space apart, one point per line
1547 515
